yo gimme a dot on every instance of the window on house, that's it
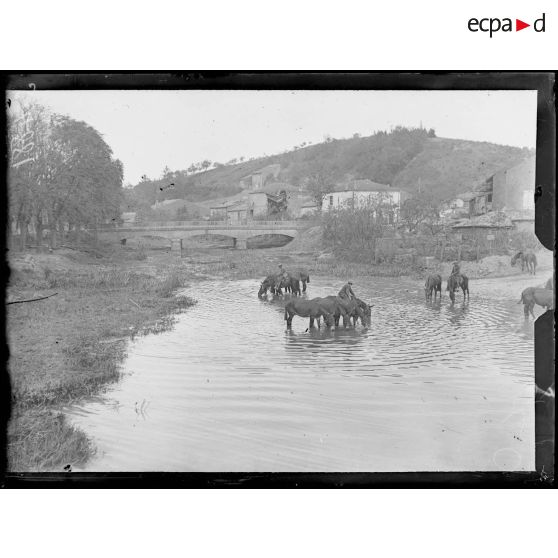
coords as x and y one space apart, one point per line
330 201
489 198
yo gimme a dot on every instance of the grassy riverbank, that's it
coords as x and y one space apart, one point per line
71 345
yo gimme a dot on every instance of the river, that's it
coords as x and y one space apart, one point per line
428 387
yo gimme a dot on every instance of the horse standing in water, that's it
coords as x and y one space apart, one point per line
433 283
313 309
455 282
533 295
528 261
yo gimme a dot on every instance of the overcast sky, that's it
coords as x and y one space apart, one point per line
149 130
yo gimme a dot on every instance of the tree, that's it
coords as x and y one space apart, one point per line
67 176
320 183
356 228
421 209
30 154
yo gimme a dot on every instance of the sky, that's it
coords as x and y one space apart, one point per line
148 130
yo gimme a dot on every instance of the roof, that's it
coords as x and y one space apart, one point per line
469 196
275 187
490 220
521 214
531 160
238 206
364 185
223 205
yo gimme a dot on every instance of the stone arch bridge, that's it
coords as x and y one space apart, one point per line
175 231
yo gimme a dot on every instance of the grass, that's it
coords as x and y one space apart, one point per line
71 346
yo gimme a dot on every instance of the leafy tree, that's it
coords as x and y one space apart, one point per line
70 177
420 210
320 183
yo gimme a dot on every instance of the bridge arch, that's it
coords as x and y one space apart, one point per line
268 240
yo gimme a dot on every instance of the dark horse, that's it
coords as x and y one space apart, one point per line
302 276
433 283
342 307
268 284
289 283
455 282
298 275
528 261
533 295
313 309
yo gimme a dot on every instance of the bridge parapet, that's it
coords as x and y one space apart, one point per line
201 224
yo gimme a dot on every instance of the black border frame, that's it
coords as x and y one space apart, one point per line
545 223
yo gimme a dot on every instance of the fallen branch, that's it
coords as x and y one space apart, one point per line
131 300
31 299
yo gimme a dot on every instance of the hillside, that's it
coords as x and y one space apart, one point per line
404 158
446 167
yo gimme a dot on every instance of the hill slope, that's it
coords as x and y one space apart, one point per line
447 167
404 158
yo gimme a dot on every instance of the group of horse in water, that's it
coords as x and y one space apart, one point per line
348 306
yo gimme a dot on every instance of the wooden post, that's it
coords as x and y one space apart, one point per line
176 245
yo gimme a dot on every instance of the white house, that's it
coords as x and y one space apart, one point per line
363 193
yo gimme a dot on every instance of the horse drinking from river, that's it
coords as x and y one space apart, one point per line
268 284
313 309
455 282
433 283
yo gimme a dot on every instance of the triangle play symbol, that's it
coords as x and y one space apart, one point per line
519 25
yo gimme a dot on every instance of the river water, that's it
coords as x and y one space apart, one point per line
428 387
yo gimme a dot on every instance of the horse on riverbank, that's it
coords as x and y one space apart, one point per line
433 284
528 261
313 309
457 282
533 295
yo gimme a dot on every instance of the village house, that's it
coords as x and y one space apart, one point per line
309 209
488 232
239 212
218 212
264 204
257 180
360 193
514 189
510 191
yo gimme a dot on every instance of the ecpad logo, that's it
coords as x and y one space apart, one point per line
492 25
